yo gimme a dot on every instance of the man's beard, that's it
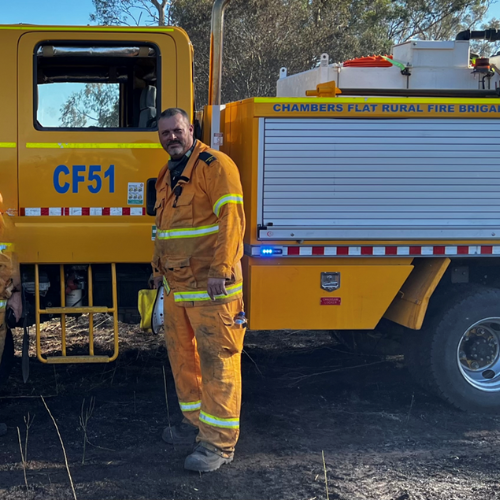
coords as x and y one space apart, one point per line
175 149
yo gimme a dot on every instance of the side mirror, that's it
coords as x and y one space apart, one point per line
151 196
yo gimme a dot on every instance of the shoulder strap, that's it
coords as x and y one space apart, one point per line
207 157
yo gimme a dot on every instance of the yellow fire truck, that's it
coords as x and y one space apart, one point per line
371 190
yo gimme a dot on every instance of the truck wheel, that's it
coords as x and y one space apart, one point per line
7 357
459 351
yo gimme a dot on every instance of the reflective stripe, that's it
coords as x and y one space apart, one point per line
87 28
93 145
195 405
187 232
228 198
279 100
165 285
8 145
5 246
3 304
232 423
82 211
203 295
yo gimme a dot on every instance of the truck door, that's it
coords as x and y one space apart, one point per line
87 107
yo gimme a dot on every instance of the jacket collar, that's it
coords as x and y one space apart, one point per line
164 175
188 170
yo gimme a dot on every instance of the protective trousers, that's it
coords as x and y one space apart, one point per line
3 327
5 284
204 348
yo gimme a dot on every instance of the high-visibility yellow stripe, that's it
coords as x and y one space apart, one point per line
5 246
193 406
231 423
8 145
190 232
227 198
373 99
93 145
201 295
166 285
27 27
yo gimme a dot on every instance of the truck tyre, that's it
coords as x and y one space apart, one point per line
7 357
458 353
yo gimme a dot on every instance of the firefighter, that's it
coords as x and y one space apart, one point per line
199 243
10 298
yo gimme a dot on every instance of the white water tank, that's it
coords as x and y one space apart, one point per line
430 64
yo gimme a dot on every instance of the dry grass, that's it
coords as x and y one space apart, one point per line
63 449
23 461
166 401
77 336
326 478
85 415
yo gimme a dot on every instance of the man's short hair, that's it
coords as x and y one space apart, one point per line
168 113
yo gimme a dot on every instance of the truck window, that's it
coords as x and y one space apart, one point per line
96 87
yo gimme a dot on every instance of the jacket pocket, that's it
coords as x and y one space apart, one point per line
226 319
159 207
178 271
182 212
231 336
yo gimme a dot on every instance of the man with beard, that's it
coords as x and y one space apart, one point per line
199 243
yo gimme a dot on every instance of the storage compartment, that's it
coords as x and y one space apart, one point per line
384 179
290 296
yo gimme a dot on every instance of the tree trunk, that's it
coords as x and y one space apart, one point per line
161 11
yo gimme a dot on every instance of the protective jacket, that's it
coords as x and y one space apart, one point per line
199 228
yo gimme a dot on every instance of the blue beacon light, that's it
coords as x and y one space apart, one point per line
267 252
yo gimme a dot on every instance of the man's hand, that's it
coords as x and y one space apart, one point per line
216 286
16 304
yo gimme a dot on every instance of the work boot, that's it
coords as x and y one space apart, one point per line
180 434
3 429
207 458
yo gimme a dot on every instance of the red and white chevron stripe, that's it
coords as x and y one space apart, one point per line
81 211
375 251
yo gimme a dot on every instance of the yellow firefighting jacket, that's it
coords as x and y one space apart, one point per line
199 228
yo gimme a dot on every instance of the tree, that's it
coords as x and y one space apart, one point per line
263 35
132 12
97 104
435 19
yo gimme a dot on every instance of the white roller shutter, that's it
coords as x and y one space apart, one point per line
384 179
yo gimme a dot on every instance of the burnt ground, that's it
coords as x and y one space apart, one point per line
304 397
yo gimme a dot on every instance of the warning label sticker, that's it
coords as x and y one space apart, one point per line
135 193
330 301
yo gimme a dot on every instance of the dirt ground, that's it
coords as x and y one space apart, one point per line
304 396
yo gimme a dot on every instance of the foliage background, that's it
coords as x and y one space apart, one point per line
261 36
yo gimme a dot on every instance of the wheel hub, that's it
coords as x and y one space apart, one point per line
479 355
